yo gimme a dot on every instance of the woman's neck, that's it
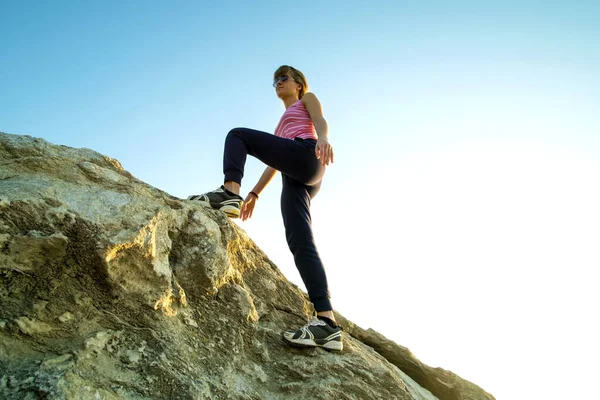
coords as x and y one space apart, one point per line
288 101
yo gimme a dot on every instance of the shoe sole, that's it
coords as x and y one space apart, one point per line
333 345
231 211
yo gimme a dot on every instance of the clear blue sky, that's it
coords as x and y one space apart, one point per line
478 125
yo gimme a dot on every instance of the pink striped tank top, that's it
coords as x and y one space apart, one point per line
296 123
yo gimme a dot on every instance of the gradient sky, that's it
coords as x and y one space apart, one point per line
461 216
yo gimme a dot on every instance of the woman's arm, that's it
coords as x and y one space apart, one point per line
250 202
323 149
313 106
264 180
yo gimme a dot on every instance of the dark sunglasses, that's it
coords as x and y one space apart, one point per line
282 78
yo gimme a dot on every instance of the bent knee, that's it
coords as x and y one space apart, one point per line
236 131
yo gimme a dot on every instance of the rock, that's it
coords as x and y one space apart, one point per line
133 356
99 341
31 251
40 306
31 326
172 299
190 321
61 362
66 317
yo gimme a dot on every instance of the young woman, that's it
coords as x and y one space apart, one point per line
300 150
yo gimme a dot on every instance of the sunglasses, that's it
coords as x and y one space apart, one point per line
282 78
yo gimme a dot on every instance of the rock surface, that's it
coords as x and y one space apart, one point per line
113 289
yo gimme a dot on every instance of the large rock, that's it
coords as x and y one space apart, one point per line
113 289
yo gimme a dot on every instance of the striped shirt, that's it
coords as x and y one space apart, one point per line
296 123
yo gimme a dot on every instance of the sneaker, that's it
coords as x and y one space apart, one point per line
316 333
221 200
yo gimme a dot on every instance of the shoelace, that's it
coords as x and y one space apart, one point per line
313 322
318 322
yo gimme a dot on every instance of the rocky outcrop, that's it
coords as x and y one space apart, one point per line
113 289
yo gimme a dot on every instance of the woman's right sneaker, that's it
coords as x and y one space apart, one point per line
316 333
230 204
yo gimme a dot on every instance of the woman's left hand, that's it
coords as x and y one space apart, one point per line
248 207
324 151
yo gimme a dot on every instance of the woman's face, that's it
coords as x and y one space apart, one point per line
286 86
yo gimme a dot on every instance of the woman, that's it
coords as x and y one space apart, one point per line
300 150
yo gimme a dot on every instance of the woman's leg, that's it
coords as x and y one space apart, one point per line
302 173
312 192
290 157
295 208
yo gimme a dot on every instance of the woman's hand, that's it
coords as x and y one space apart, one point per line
248 206
324 151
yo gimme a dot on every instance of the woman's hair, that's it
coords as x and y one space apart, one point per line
295 75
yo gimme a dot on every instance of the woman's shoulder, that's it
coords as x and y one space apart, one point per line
310 101
308 97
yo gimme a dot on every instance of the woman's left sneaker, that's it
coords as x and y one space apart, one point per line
230 204
316 333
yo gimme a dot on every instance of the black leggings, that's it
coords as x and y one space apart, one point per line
302 173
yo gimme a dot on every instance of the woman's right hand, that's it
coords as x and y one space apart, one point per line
248 206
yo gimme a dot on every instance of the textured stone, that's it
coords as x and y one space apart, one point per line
172 300
66 317
31 326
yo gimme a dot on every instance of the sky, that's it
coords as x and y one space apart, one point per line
460 218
